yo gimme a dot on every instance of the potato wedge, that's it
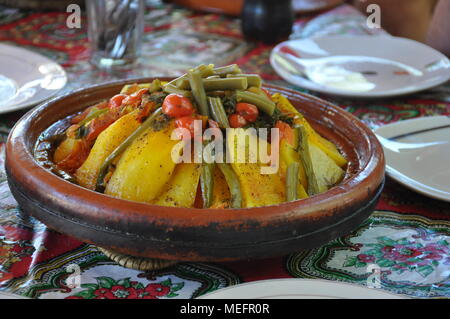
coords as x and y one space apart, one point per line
326 146
64 149
145 167
221 191
181 189
105 143
322 172
257 189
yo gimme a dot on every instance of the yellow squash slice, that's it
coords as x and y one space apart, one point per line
106 142
322 172
326 146
257 189
180 191
145 167
221 191
64 149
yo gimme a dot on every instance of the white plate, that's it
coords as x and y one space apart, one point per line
27 78
299 289
424 169
362 66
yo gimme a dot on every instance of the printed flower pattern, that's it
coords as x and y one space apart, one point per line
403 255
108 288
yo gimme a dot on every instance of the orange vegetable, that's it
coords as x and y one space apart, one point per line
76 156
237 120
116 101
176 105
286 132
248 111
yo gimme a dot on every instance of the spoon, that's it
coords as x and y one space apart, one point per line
305 67
398 147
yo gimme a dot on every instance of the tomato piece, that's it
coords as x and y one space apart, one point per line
116 101
176 105
286 132
237 120
135 98
248 111
187 122
144 111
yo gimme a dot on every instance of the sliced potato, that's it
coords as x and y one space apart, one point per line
180 191
145 167
64 149
322 172
328 147
106 142
327 172
221 191
257 189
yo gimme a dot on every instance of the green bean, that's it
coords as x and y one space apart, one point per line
292 181
233 184
224 70
198 91
297 136
218 112
205 70
100 185
225 84
207 184
214 84
155 86
305 155
82 130
252 79
182 82
261 103
168 88
176 82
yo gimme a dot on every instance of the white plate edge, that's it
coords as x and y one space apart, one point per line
309 85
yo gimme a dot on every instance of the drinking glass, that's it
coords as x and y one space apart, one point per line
115 29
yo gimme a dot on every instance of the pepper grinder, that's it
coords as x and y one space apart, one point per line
268 21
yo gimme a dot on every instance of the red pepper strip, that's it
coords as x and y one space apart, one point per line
99 124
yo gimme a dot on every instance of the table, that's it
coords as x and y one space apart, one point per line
407 238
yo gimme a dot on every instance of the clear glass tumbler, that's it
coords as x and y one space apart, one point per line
115 29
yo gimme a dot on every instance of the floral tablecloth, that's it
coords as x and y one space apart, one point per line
405 243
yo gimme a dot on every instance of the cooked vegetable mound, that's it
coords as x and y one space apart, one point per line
142 144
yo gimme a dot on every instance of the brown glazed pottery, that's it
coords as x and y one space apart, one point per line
145 230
